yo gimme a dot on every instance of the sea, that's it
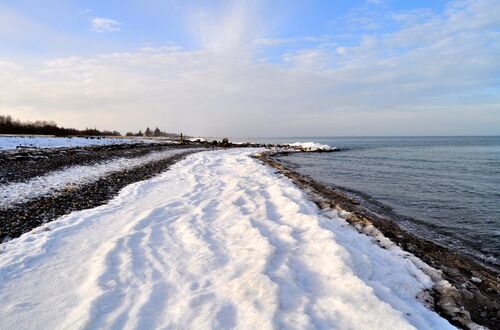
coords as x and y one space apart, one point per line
446 189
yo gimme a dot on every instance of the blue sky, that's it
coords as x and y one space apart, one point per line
156 22
250 68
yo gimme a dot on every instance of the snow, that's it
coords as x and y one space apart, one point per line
197 139
21 192
219 241
12 142
312 146
476 279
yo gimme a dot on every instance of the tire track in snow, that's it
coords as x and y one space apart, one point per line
219 241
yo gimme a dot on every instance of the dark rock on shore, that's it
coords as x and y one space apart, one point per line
225 143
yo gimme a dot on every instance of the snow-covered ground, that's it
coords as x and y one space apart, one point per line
21 192
219 241
12 142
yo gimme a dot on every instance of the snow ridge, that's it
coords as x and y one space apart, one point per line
219 241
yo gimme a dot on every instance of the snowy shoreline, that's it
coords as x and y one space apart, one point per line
173 241
473 291
35 200
232 172
13 142
39 183
22 192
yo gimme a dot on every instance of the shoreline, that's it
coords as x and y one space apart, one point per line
25 164
412 224
17 165
20 218
169 250
473 296
465 303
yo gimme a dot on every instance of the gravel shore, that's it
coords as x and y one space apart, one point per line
23 164
21 218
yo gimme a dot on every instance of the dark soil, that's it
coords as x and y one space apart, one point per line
468 300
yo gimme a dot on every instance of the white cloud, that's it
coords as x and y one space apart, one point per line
273 41
231 28
341 50
103 24
308 59
435 75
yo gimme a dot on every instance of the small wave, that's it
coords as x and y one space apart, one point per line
312 146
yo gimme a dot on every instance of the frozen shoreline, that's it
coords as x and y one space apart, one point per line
473 293
174 240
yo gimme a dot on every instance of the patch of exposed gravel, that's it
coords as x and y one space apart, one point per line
21 218
20 165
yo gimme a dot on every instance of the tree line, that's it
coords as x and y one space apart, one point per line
149 132
8 125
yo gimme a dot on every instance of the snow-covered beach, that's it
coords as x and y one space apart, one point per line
11 142
245 164
218 241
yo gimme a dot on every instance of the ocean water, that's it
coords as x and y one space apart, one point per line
443 188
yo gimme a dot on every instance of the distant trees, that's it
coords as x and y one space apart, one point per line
8 125
154 133
158 132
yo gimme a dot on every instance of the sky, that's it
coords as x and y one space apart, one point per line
254 68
